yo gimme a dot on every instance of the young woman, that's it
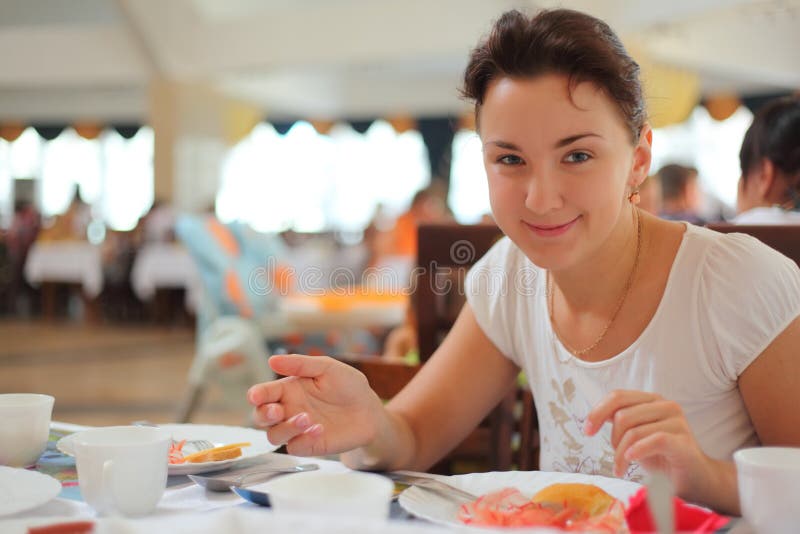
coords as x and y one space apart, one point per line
769 189
649 344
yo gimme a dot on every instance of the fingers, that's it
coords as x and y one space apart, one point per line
288 430
269 414
614 401
268 392
299 365
634 416
623 455
310 443
652 445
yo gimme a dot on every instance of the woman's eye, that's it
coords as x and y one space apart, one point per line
578 157
509 159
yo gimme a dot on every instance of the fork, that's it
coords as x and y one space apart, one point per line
198 444
426 481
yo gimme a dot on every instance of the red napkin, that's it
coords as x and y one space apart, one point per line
688 518
73 527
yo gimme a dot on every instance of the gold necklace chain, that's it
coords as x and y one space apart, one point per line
626 290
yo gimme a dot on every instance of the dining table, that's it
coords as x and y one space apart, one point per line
166 266
185 507
74 263
188 508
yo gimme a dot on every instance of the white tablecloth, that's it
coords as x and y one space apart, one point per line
245 519
188 508
165 265
77 262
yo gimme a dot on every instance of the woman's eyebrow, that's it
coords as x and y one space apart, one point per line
503 144
559 144
572 138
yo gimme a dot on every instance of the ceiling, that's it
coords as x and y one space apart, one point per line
328 59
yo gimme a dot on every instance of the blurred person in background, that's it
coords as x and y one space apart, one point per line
23 231
158 224
429 205
70 225
21 234
770 162
681 195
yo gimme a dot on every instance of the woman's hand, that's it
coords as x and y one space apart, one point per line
653 431
323 406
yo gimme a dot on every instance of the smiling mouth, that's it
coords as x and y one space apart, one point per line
552 227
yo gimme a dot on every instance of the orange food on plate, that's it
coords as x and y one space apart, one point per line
217 454
585 497
569 507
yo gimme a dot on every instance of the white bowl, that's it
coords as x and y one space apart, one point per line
769 488
24 427
351 493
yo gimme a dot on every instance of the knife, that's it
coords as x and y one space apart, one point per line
659 497
256 497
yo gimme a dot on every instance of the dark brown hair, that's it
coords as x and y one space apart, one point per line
775 135
560 41
674 179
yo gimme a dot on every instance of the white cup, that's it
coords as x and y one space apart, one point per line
122 470
353 493
24 427
769 488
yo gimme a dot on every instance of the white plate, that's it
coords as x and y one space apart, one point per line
21 489
217 434
437 509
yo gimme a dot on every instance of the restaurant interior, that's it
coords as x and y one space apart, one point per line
187 187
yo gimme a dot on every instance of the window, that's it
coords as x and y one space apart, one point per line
115 175
311 182
469 188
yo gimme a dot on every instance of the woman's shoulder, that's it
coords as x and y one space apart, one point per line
737 263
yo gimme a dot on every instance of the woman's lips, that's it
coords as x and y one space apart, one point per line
551 230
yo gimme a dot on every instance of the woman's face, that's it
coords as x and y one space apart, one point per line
559 169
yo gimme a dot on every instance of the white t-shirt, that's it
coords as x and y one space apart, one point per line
727 297
764 215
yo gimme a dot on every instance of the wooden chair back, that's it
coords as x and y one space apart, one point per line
783 238
445 254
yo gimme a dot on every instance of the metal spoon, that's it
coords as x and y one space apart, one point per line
225 483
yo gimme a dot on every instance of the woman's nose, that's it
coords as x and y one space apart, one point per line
542 194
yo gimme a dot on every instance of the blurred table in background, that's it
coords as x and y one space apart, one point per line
73 263
351 309
166 266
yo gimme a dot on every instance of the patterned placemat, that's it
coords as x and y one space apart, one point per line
60 466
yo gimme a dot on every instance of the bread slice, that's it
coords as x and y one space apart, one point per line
585 497
217 454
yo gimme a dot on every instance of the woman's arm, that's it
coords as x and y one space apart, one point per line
654 432
464 379
324 406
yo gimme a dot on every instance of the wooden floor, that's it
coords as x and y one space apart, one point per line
106 375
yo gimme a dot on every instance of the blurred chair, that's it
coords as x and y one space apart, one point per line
783 238
386 378
238 310
230 351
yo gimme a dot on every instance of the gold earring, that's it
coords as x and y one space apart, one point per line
634 197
